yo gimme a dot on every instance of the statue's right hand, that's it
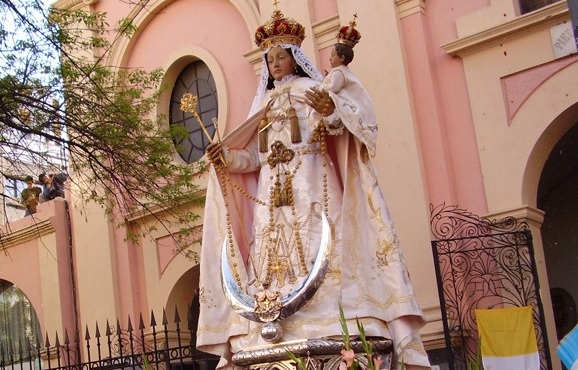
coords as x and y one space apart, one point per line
215 154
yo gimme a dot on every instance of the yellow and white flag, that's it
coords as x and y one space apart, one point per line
508 340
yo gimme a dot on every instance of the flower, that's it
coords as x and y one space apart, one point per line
347 353
348 357
377 362
349 362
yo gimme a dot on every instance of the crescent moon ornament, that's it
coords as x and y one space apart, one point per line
269 307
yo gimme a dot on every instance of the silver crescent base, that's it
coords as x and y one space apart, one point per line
317 354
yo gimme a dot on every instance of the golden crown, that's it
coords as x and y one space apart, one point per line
279 30
349 35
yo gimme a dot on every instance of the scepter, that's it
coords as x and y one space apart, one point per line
189 105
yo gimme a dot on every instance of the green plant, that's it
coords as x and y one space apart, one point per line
301 365
373 363
145 362
477 363
347 353
59 84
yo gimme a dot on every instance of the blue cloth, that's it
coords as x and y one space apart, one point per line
568 348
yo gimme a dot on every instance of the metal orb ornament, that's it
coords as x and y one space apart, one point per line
272 332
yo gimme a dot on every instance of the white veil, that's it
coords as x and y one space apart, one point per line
300 58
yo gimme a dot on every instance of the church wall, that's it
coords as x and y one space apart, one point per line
521 87
464 91
219 33
382 65
35 257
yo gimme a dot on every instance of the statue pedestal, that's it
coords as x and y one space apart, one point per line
317 354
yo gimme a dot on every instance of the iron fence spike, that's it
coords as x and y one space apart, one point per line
177 317
165 321
66 341
108 332
141 325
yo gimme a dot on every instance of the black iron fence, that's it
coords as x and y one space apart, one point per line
482 264
164 346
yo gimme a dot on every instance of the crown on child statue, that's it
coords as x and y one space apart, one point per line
279 30
349 35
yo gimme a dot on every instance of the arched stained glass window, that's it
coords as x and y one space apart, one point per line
197 79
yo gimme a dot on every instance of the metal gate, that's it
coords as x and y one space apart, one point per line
165 346
482 264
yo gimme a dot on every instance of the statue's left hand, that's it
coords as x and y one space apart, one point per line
320 101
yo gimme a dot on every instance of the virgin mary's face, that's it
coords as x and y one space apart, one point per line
280 63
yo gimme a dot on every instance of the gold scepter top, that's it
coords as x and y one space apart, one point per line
189 105
189 102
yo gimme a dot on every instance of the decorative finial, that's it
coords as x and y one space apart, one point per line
189 105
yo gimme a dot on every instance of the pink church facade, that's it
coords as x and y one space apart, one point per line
472 98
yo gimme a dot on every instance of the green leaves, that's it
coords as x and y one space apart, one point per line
298 361
348 357
344 329
58 86
372 362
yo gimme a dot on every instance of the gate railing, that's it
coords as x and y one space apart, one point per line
167 346
482 264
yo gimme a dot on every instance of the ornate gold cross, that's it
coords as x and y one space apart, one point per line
279 154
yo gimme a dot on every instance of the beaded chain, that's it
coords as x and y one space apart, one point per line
271 255
231 243
320 136
272 261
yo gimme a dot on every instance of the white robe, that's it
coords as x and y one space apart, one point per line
366 275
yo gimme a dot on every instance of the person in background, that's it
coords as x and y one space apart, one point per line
30 196
58 182
52 185
46 182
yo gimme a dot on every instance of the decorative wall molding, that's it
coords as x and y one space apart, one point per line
253 56
525 213
530 80
405 8
73 4
32 232
542 18
158 212
324 31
